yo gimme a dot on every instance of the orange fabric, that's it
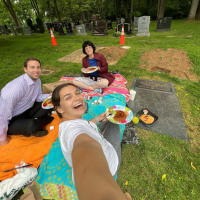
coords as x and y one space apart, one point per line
28 149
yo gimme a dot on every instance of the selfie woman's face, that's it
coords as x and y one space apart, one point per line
72 104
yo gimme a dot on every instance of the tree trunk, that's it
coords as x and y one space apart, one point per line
193 10
125 9
131 11
57 12
64 10
49 11
70 10
9 6
161 8
198 13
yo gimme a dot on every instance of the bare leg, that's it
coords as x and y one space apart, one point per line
103 83
82 85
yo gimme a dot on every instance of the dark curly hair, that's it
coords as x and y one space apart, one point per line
88 43
56 96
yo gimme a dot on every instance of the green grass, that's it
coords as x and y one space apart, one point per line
142 165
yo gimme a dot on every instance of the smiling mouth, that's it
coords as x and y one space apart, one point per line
79 105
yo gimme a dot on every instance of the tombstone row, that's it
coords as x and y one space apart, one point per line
16 30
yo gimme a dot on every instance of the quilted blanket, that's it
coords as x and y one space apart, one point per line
54 180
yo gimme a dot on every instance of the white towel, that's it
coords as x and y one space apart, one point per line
11 186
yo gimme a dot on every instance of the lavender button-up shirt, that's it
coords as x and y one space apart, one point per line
16 97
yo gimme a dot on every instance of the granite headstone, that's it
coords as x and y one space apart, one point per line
80 29
143 26
164 24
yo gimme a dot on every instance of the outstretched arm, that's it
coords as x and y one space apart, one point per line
92 176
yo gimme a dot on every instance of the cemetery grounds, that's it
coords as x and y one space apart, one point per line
160 167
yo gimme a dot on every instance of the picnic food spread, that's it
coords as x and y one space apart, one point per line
47 103
89 70
119 114
148 119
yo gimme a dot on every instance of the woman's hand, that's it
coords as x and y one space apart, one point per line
99 118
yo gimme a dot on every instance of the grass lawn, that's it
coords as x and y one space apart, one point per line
143 166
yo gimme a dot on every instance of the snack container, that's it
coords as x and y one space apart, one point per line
148 112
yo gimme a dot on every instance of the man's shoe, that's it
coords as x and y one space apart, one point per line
40 133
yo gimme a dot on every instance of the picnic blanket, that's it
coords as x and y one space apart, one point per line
54 180
31 150
117 86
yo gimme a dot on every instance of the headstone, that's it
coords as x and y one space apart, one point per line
60 29
68 27
3 30
136 23
143 26
27 30
55 26
127 28
12 30
80 29
99 28
122 20
88 27
109 25
19 30
164 24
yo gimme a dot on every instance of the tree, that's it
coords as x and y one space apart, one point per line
161 8
198 12
193 10
57 11
9 6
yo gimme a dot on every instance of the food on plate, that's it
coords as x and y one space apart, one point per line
120 115
148 119
48 102
91 69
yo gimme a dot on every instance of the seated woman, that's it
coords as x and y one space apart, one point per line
93 159
93 59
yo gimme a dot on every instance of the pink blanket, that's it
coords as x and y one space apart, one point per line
117 86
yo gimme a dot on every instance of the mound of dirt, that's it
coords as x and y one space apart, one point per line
112 55
173 61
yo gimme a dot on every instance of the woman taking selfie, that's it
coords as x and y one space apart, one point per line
93 159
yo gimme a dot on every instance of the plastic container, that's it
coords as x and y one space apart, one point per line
148 112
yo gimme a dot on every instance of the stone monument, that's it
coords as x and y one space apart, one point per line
99 28
60 29
88 27
143 26
68 27
19 30
164 24
136 23
27 30
80 29
109 25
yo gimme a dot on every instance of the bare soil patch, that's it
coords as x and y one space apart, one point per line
112 55
172 61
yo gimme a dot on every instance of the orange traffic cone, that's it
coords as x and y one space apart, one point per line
122 39
53 38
